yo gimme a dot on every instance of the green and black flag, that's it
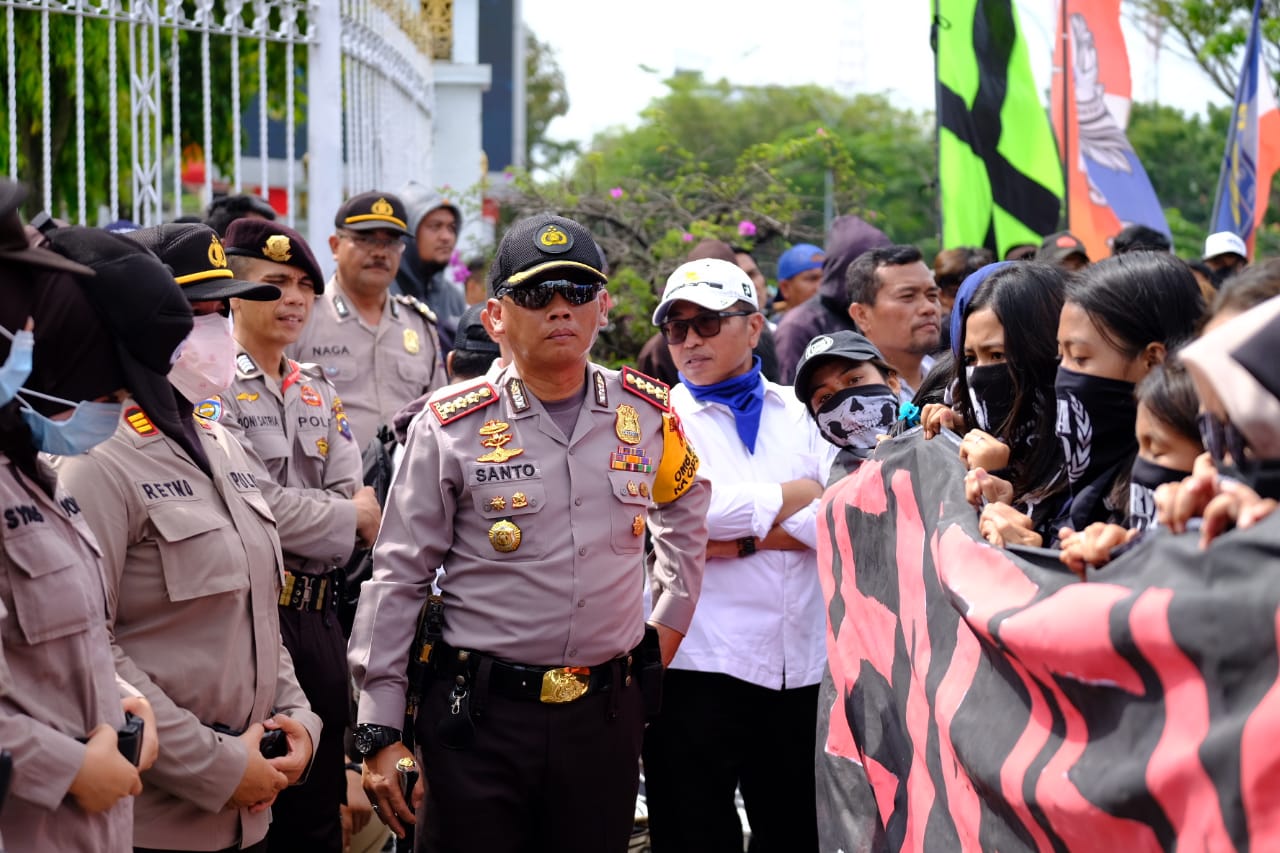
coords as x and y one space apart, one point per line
998 167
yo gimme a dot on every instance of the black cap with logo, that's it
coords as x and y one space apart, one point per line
272 241
843 345
198 259
371 211
543 244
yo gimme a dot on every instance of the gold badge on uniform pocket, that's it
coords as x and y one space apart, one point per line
323 446
504 536
637 525
411 343
627 424
519 501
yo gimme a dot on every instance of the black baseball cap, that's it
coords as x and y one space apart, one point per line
844 345
372 210
472 335
275 242
1059 246
542 244
198 259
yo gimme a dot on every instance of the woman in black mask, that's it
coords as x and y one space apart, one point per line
1005 392
1119 319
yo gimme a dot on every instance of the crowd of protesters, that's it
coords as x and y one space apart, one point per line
224 629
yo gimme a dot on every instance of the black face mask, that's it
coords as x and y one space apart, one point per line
991 392
1096 419
855 416
1146 477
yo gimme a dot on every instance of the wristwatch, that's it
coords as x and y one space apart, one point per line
370 740
746 546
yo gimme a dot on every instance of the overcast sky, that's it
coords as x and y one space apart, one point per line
849 45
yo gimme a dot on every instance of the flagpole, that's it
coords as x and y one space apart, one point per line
937 121
1065 71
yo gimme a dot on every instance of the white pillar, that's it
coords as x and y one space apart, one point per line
324 129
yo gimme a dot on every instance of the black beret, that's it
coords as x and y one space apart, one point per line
272 241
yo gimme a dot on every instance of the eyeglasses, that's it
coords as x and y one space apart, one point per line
535 296
1220 438
706 325
369 241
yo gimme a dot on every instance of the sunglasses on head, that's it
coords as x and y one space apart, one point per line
1220 438
539 295
674 332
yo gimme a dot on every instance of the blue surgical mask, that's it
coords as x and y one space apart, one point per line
90 424
17 367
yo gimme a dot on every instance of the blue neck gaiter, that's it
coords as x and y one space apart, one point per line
744 395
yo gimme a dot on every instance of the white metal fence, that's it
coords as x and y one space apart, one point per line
110 103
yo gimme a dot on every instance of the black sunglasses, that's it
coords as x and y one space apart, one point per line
1220 438
706 325
535 296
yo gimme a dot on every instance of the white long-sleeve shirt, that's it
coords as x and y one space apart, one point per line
761 617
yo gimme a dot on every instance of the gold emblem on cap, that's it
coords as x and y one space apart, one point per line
519 501
504 536
553 236
494 435
382 207
217 255
277 248
411 343
496 503
627 424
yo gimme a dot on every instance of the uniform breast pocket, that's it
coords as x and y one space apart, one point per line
415 371
513 512
48 587
196 551
628 509
269 443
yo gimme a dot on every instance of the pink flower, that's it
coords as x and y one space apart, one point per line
747 228
508 175
687 237
822 131
616 192
460 274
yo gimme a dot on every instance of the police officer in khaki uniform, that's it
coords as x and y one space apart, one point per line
290 417
380 350
59 683
533 491
191 565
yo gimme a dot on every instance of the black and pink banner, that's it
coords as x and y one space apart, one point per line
997 703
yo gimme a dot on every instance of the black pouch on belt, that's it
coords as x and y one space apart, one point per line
651 670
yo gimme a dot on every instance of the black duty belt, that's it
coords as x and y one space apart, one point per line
308 592
552 685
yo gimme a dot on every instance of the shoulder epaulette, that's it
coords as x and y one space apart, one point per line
471 399
417 305
655 391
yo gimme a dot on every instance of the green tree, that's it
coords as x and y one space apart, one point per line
546 99
1214 31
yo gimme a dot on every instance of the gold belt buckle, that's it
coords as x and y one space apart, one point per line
564 684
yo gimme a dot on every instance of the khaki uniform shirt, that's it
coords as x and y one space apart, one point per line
377 370
310 466
541 535
192 568
61 677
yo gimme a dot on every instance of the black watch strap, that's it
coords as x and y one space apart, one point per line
371 739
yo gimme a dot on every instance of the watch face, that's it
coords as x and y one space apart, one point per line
364 741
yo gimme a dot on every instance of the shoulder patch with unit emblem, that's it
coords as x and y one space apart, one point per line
464 403
417 305
655 391
210 409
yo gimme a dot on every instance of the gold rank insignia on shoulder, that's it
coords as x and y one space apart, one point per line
494 434
473 399
277 248
411 343
654 390
627 424
504 536
138 420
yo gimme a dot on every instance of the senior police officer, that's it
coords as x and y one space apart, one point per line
191 566
292 419
532 490
380 350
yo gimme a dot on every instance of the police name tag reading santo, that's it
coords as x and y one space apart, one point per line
481 474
